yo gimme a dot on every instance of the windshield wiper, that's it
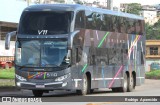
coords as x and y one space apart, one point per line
23 66
51 65
60 66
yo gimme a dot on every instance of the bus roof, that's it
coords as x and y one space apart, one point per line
77 7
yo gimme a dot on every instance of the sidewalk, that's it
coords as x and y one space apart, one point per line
7 85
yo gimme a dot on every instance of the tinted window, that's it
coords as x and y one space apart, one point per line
79 23
53 22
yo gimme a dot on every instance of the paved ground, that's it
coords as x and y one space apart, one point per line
150 88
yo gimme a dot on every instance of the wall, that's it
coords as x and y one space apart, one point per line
149 62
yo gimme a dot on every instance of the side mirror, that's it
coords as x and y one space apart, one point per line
8 38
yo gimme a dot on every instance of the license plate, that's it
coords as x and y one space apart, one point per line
40 86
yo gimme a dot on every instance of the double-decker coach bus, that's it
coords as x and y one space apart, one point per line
75 47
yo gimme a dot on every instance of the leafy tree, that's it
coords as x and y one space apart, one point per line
78 2
153 31
156 29
60 1
134 8
149 31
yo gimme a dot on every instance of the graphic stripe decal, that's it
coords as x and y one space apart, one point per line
101 42
44 76
103 76
120 69
84 67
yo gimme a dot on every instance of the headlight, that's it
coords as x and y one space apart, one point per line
20 78
61 78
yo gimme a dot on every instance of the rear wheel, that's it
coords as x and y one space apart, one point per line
115 89
85 88
125 84
37 93
130 83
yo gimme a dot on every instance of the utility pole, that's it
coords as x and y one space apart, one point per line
110 4
28 2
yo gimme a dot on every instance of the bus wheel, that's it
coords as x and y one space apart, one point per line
85 87
37 93
130 83
91 91
125 84
115 89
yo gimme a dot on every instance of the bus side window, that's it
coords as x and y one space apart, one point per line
106 23
79 21
78 55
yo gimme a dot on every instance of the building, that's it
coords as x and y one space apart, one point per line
152 53
150 16
10 15
123 7
6 27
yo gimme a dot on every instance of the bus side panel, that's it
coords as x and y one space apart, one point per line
106 77
140 74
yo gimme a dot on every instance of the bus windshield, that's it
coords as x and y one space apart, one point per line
34 23
41 53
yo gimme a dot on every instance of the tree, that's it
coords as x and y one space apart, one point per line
78 2
133 8
156 29
149 31
153 31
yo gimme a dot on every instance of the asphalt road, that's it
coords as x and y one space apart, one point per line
150 88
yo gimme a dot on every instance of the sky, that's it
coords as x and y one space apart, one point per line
143 2
11 10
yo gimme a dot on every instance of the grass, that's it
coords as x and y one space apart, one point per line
7 83
154 74
7 73
7 77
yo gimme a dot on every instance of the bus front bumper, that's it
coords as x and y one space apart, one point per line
44 86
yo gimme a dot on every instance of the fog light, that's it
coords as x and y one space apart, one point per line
18 84
64 84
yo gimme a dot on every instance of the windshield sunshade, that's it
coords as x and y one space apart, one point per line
45 23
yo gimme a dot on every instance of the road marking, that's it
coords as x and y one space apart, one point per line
99 103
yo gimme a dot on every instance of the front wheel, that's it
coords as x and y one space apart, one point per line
85 87
37 93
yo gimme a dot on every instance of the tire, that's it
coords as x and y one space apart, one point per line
37 93
130 84
91 91
85 87
125 84
115 89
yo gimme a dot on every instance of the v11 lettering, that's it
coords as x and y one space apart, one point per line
42 32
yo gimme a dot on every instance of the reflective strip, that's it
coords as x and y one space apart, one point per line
42 84
53 83
27 83
77 79
106 78
139 77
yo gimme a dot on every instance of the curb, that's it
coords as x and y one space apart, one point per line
8 88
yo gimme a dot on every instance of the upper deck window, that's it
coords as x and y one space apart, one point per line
45 23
